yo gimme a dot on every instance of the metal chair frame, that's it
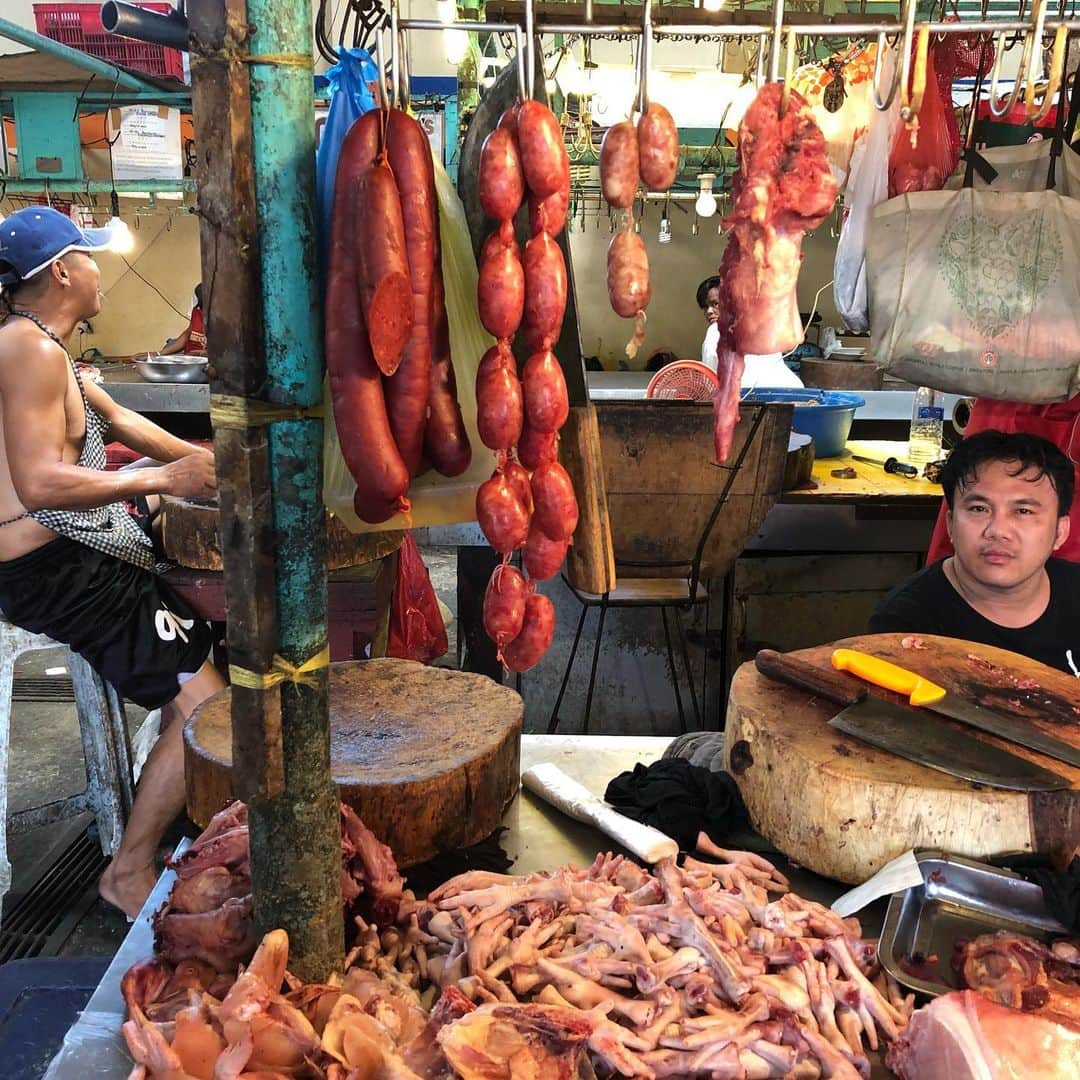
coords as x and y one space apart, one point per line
604 601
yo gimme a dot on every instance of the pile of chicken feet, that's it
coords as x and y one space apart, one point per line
709 969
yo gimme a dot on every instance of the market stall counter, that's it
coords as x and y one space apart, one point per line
536 837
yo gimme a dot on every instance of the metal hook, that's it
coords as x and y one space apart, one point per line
401 65
1057 70
774 50
907 39
879 63
380 67
644 56
1038 20
530 45
759 67
911 98
395 93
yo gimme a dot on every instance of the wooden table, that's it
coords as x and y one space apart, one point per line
871 483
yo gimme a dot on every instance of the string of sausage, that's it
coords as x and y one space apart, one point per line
529 500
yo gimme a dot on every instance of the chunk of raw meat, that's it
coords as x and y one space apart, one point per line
965 1036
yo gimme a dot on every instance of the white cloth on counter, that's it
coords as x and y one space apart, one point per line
900 874
553 785
768 370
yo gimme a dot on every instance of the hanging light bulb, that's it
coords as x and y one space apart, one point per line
664 236
550 86
446 10
455 45
712 6
706 200
122 241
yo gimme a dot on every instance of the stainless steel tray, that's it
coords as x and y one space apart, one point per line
958 899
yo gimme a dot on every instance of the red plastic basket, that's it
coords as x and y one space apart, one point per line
79 26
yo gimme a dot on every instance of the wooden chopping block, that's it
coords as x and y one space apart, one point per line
840 374
844 809
429 758
189 536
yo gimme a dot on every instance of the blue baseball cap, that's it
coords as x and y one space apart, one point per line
34 237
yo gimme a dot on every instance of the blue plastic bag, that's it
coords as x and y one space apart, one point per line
350 97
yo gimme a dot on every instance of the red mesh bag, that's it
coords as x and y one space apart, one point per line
923 157
959 56
417 630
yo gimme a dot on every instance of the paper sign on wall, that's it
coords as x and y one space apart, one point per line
434 125
146 143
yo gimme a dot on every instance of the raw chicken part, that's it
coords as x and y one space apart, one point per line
965 1036
783 188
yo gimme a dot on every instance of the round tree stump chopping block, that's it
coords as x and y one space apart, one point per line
429 758
190 537
844 809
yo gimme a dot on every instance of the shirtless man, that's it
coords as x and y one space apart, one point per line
73 563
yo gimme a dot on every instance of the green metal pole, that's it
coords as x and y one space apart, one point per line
17 186
295 835
42 44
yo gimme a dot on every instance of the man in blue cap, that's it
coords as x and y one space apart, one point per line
74 564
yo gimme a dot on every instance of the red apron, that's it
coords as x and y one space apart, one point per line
1059 423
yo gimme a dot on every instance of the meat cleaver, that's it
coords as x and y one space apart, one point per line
909 733
924 694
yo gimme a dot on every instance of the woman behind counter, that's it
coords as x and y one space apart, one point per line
192 341
768 371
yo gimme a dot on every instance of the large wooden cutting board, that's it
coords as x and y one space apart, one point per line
429 758
190 537
844 809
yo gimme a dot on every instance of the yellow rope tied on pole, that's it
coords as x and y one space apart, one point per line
227 411
281 670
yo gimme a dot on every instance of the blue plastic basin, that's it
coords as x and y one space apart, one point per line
827 422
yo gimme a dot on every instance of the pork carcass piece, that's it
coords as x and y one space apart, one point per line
515 1042
965 1036
782 189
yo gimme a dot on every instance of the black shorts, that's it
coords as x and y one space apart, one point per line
128 624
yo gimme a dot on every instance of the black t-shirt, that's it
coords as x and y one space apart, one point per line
928 604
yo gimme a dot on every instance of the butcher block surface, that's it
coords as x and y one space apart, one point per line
190 537
429 758
843 809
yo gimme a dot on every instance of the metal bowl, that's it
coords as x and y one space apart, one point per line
173 369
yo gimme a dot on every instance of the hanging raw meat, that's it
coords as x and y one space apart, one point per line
783 188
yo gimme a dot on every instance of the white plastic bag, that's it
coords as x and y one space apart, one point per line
436 500
867 185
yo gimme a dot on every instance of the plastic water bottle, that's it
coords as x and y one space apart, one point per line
927 418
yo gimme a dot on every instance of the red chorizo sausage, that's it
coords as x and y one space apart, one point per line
537 630
504 604
446 442
500 184
629 288
543 152
555 508
658 148
502 516
549 215
408 390
536 448
545 289
383 266
543 556
508 120
500 288
499 408
544 386
619 164
517 476
356 389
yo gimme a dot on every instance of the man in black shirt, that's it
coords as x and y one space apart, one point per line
1008 498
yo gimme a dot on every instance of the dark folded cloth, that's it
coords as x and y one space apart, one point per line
680 800
1061 888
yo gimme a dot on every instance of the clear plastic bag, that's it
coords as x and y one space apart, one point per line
436 500
867 185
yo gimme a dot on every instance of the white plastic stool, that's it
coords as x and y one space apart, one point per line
109 786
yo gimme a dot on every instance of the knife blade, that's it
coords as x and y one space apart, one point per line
890 465
909 733
923 693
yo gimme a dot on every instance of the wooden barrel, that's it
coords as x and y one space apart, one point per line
844 809
190 537
429 758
